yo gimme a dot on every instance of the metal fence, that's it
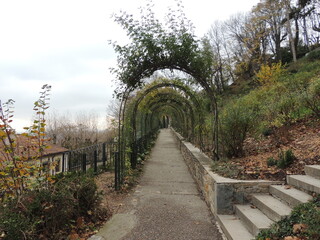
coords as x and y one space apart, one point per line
92 157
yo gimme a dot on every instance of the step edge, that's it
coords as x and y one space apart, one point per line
250 222
228 235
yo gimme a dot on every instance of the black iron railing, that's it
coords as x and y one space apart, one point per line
92 157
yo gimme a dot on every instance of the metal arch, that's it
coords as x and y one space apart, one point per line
194 100
167 84
187 107
177 110
120 153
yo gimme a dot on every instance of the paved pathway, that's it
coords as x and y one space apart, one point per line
166 205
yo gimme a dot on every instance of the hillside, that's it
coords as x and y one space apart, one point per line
279 117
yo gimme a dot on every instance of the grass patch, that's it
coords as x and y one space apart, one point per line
225 169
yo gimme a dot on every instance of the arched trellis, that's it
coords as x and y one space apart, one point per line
180 86
182 112
134 115
206 86
192 102
172 84
171 45
176 109
156 47
182 102
155 108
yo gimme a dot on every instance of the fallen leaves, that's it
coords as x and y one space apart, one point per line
299 228
304 141
292 238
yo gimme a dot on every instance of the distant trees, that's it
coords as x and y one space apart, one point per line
272 31
75 132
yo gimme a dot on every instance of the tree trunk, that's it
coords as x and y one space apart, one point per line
289 30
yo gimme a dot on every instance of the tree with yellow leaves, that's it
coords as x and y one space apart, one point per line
20 164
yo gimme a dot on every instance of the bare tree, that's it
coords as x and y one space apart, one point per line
74 132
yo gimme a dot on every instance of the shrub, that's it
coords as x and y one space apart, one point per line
271 162
314 55
312 97
13 224
50 212
285 158
236 121
268 75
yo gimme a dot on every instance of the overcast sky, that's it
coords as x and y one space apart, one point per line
64 43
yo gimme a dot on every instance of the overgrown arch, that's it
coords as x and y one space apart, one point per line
171 46
172 84
155 46
184 103
176 111
173 97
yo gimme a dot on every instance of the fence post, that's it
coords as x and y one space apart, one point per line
95 161
117 170
63 162
104 155
84 162
69 162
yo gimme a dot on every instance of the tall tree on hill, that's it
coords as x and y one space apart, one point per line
272 14
249 43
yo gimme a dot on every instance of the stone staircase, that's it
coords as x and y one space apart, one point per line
265 209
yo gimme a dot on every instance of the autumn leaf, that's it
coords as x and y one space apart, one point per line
292 238
298 228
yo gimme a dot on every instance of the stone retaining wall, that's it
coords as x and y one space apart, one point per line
220 193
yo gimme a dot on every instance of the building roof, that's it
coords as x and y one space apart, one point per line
28 146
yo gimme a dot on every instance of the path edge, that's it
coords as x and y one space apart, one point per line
219 193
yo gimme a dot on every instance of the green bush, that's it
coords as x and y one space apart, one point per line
286 158
271 162
314 55
236 121
312 97
83 189
12 223
51 211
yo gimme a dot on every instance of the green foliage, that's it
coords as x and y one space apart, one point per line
237 119
314 55
286 158
268 75
50 211
312 97
157 46
307 214
271 162
290 97
224 168
13 224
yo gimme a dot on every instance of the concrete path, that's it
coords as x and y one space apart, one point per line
166 205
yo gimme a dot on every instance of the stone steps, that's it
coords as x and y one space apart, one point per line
312 170
234 228
248 219
253 218
289 194
270 206
304 182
